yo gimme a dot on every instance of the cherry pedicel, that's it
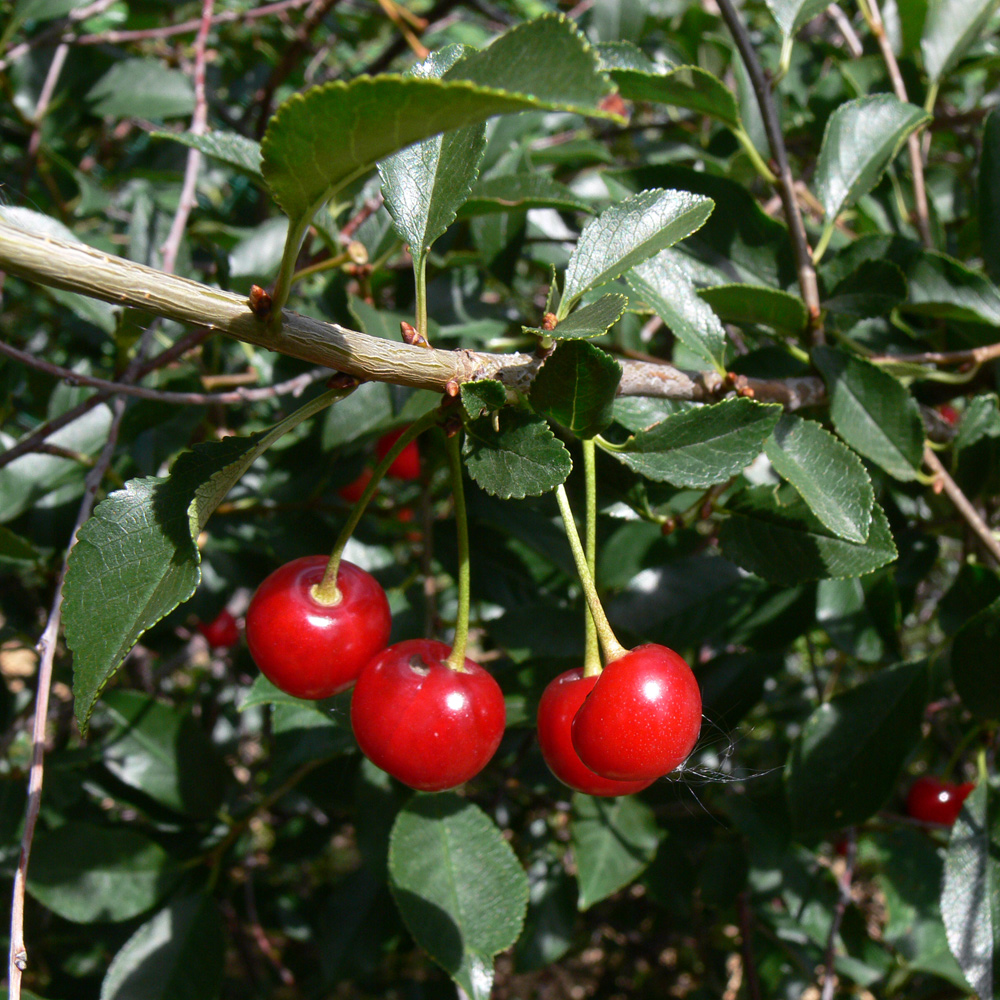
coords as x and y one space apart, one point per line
428 725
406 464
935 801
310 649
222 631
560 702
642 718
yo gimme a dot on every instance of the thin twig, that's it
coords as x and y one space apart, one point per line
873 16
42 107
973 356
56 32
843 23
963 504
786 185
746 946
843 898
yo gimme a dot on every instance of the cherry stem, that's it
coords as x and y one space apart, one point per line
613 649
456 661
326 591
591 652
420 282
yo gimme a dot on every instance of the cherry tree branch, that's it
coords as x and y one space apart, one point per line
963 504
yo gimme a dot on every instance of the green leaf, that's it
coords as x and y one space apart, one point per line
628 233
974 662
521 191
703 445
87 873
842 610
989 195
228 147
15 549
523 459
576 388
828 476
459 887
846 762
142 88
322 139
950 28
790 15
482 397
970 896
788 544
592 320
744 304
44 10
163 752
263 692
136 559
875 288
687 87
178 953
873 412
662 283
613 842
862 138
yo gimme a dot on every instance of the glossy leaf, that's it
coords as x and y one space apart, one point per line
142 88
480 398
228 147
353 125
974 657
951 27
788 544
663 284
628 233
702 445
745 304
521 191
523 459
829 477
970 896
136 559
177 953
87 873
873 412
576 388
793 14
459 887
862 138
687 87
613 842
846 761
989 195
591 320
842 610
874 289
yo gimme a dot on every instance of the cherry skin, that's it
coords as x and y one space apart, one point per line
406 465
935 801
642 718
429 726
222 631
560 702
353 490
310 649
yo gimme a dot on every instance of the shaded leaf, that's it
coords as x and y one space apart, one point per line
521 191
228 147
142 88
792 14
874 289
743 304
687 87
576 388
591 320
950 28
989 195
974 662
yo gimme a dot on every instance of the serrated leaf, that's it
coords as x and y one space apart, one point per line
875 288
177 953
482 397
576 388
846 762
591 320
613 842
862 138
87 873
788 544
523 459
703 445
970 896
742 304
873 412
459 886
989 195
142 88
664 286
628 233
950 28
687 87
136 559
228 147
974 662
320 140
829 477
521 191
790 15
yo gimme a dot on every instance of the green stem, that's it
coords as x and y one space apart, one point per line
591 652
613 649
457 658
290 254
420 279
326 591
824 241
754 154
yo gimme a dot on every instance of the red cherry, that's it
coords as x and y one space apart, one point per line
935 801
406 464
353 490
310 649
560 702
643 717
948 413
222 631
427 725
